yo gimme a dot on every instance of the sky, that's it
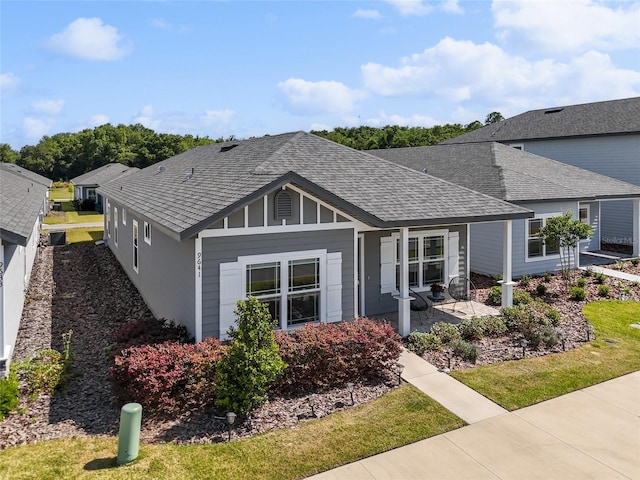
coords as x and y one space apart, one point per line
250 68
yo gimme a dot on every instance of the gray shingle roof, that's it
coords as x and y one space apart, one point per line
22 195
190 191
103 174
508 173
614 117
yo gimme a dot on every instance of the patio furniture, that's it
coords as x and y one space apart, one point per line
462 289
420 304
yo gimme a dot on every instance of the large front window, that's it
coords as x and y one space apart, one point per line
426 260
291 289
536 248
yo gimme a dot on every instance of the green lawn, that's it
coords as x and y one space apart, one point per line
71 216
403 416
615 352
84 235
61 193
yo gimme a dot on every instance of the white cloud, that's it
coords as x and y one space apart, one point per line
568 25
147 117
311 98
160 23
411 7
35 129
98 119
461 70
451 6
217 117
48 107
413 121
368 14
9 83
89 39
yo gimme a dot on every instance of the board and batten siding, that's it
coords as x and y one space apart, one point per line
617 156
217 250
166 271
377 302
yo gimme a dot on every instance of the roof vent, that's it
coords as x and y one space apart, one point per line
424 170
226 148
283 205
554 110
161 168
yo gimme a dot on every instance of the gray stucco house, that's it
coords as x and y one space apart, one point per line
603 137
85 185
24 200
319 231
547 187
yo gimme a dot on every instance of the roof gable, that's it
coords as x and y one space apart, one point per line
103 174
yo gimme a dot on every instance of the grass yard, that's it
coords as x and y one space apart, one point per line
61 193
84 235
70 215
615 352
403 416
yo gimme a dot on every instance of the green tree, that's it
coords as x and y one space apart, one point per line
252 363
566 234
493 117
8 154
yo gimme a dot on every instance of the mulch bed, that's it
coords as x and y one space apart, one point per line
83 288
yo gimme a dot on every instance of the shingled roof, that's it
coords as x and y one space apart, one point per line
187 193
22 194
614 117
102 175
508 173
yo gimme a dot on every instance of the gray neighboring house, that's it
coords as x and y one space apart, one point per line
603 137
319 231
85 185
546 186
24 200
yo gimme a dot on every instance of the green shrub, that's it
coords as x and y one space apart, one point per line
471 328
531 320
252 363
635 261
577 293
9 391
546 335
493 326
521 297
541 289
588 272
525 280
465 350
446 332
547 277
600 278
420 342
581 282
603 290
495 295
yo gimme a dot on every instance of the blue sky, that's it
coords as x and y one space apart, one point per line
243 68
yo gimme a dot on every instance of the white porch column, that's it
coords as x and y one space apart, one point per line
404 312
636 227
507 249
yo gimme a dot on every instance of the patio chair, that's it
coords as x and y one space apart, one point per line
420 304
462 289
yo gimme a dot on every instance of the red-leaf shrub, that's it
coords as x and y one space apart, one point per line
326 355
149 331
170 375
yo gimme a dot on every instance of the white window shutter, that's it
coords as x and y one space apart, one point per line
230 293
454 254
387 265
334 287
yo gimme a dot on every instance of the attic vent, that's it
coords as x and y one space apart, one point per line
226 148
283 205
554 110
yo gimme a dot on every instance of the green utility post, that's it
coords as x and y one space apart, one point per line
129 435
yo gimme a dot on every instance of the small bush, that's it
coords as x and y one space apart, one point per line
43 373
588 272
541 289
547 277
148 331
620 264
577 293
581 282
465 350
9 391
520 297
600 278
495 295
531 319
545 335
420 342
603 290
525 280
471 328
494 326
446 332
635 261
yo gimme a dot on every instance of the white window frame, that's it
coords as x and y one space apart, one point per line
108 219
124 217
90 191
115 226
283 259
136 246
147 233
586 206
544 255
421 235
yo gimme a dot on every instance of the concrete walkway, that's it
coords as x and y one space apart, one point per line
613 273
67 226
592 433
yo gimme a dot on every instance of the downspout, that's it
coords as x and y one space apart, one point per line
3 359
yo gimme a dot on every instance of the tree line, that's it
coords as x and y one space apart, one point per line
64 156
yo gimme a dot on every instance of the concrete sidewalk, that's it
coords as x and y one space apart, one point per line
592 433
67 226
613 273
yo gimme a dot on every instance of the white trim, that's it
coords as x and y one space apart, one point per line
146 233
265 213
544 256
245 220
198 282
582 205
2 280
135 245
124 216
115 226
324 204
108 217
358 259
308 227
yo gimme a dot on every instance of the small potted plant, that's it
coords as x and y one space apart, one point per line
437 290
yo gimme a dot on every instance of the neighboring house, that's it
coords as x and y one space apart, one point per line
84 186
547 187
319 231
603 137
23 202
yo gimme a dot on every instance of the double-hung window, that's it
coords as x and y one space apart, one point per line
426 260
536 248
147 232
108 219
135 246
115 226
